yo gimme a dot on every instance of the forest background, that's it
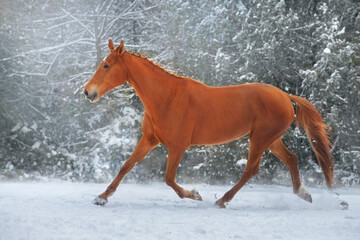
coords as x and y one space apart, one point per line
50 49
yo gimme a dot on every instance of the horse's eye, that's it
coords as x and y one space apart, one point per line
106 66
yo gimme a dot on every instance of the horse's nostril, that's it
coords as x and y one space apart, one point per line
90 95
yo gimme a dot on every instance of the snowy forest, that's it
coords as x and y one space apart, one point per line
50 49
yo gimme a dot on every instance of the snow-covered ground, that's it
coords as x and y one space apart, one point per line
153 211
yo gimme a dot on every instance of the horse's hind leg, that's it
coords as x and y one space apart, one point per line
173 161
251 169
260 140
291 162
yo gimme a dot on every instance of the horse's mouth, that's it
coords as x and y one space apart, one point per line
93 97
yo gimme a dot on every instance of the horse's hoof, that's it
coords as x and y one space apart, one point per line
344 205
303 193
99 201
308 197
196 195
220 204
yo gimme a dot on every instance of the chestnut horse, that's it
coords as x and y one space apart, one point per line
180 112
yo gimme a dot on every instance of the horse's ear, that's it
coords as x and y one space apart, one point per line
120 48
111 45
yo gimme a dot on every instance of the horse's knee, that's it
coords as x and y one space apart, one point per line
251 171
124 169
255 171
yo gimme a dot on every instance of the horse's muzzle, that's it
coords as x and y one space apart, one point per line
91 96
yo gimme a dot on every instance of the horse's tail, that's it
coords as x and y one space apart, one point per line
316 130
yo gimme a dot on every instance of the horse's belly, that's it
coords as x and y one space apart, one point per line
221 115
212 133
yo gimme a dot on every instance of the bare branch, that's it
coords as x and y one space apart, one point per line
48 49
41 74
105 18
49 19
131 6
73 17
39 112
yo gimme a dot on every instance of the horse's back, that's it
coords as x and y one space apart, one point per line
272 102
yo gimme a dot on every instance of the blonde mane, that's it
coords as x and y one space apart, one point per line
154 64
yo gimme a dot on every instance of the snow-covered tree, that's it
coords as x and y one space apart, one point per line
49 49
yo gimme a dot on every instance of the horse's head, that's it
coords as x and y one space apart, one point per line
110 73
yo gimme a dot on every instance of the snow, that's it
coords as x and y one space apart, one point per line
65 211
327 50
36 145
197 167
16 127
241 162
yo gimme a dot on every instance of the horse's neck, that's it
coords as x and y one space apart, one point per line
152 84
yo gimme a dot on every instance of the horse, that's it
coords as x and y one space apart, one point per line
181 112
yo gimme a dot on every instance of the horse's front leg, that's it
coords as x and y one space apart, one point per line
142 149
173 161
